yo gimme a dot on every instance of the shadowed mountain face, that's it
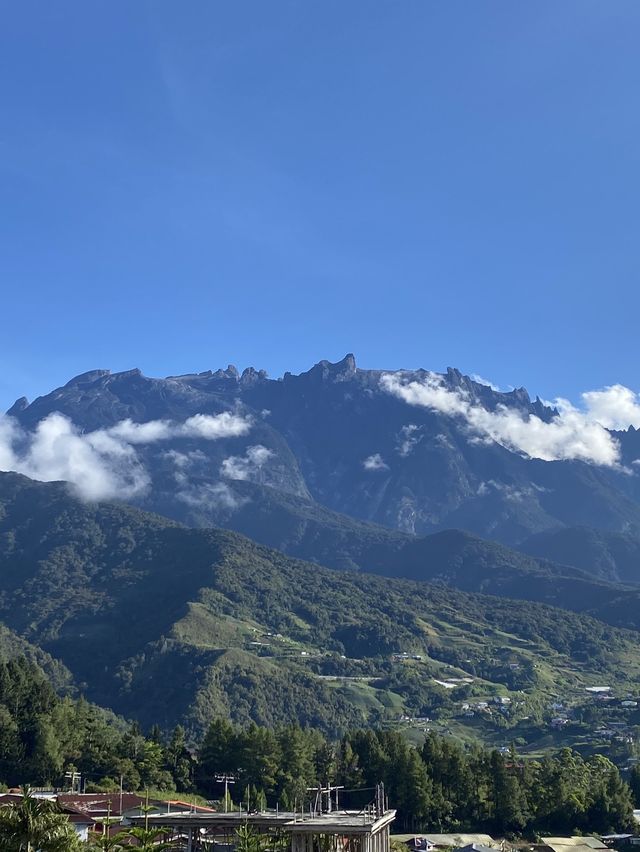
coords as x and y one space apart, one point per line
613 557
336 436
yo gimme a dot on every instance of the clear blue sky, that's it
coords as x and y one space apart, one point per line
270 183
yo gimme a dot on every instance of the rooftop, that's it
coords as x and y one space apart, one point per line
337 822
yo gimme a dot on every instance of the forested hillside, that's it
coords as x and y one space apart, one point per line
168 624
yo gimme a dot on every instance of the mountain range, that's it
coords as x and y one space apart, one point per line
348 439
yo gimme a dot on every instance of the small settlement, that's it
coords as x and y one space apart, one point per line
194 828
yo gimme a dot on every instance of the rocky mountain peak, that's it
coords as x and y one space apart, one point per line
327 371
18 406
87 378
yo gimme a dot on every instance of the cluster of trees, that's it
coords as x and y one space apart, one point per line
42 736
442 786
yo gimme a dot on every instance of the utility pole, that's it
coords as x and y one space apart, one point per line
74 780
321 791
228 779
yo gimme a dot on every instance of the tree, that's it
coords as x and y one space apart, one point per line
634 783
178 759
106 842
35 825
218 752
149 839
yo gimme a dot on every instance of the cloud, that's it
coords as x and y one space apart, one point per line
216 495
443 441
513 493
572 434
375 462
207 426
247 466
614 407
182 460
103 463
407 439
481 381
98 464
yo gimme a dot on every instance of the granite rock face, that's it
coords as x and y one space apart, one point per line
334 436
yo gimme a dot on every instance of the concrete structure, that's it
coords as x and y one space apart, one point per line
338 831
446 841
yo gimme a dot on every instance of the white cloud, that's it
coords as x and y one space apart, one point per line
247 466
216 495
207 426
407 439
375 462
225 425
98 464
513 493
573 434
443 441
182 460
481 381
615 407
140 433
103 463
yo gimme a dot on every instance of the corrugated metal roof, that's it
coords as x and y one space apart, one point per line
575 844
449 839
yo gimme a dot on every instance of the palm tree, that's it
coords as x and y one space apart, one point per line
105 841
35 825
149 839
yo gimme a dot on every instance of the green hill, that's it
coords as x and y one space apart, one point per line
302 528
164 623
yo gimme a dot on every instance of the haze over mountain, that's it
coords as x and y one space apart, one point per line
410 450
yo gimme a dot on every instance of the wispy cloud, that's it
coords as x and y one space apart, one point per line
482 381
103 463
572 434
211 427
375 462
214 495
407 439
248 466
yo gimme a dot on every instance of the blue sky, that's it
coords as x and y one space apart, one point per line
270 183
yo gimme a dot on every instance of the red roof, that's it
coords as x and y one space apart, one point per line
99 804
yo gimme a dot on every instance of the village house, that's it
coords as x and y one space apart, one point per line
570 844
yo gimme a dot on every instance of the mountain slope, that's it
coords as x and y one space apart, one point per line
147 615
613 557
